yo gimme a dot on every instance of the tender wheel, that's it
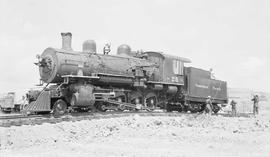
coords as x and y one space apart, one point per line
216 108
59 107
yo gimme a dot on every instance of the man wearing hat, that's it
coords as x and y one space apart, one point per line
233 104
255 104
208 107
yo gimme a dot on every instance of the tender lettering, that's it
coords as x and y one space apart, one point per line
201 86
217 88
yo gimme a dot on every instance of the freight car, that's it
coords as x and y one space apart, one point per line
7 103
130 80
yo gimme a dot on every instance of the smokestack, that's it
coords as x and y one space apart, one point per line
66 41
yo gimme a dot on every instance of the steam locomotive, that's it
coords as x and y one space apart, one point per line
130 80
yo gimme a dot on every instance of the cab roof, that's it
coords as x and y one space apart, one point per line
162 55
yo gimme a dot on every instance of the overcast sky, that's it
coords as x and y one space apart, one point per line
230 36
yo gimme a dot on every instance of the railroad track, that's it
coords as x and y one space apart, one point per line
19 120
18 116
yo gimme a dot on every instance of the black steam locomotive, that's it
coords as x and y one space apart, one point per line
130 80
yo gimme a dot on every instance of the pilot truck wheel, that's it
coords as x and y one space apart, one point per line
59 107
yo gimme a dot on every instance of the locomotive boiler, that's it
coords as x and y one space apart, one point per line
87 80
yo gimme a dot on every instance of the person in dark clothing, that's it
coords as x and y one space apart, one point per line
255 104
107 49
208 107
233 104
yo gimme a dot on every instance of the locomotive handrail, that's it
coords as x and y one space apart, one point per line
167 83
75 76
106 74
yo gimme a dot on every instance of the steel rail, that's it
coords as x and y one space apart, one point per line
20 116
38 120
49 118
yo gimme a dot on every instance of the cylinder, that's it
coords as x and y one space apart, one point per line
66 41
83 95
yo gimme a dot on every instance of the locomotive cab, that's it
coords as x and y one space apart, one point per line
171 68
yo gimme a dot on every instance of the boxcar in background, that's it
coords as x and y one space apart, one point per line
7 102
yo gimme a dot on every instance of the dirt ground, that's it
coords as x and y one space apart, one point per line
187 136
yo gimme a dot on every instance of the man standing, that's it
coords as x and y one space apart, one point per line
255 104
208 107
233 104
107 49
212 75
